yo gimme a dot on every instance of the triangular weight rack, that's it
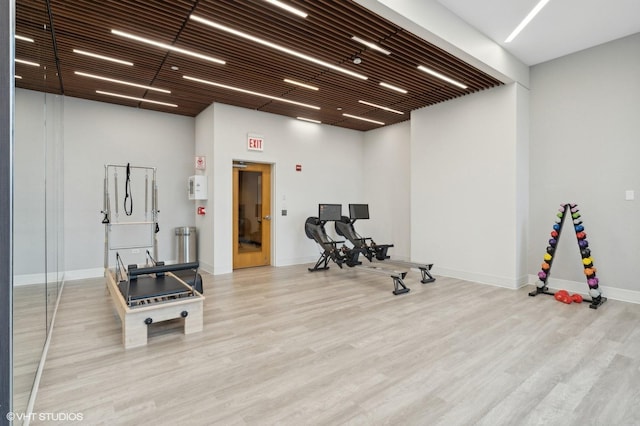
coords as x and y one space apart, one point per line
569 212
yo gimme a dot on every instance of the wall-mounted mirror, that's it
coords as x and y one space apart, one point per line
37 248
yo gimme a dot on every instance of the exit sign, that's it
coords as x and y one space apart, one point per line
255 143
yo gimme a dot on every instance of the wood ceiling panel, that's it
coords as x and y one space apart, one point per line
325 35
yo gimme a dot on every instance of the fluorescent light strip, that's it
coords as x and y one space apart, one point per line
364 119
19 77
537 8
287 8
381 107
297 83
135 99
397 89
249 92
276 47
105 58
23 38
22 61
371 45
84 74
441 76
310 120
168 47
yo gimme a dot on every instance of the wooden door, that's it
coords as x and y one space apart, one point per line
251 215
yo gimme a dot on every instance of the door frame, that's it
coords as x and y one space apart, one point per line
267 209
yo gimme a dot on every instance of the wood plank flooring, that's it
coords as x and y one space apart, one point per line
285 346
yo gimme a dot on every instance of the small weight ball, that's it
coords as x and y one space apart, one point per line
595 292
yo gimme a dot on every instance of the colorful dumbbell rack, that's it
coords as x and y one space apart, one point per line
570 211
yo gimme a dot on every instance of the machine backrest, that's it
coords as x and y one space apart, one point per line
344 228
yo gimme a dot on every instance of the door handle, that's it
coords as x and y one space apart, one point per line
267 217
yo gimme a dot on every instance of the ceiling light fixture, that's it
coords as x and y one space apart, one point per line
22 61
249 92
382 107
19 77
168 47
441 76
364 119
105 58
297 83
537 8
23 38
371 45
276 46
135 99
142 86
287 8
310 120
397 89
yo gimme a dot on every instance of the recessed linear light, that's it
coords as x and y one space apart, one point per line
287 8
168 47
382 107
249 92
19 77
364 119
310 120
441 76
98 77
297 83
537 8
105 58
371 45
135 99
22 61
389 86
23 38
276 47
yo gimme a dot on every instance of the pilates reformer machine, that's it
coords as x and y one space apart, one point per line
151 291
342 255
369 249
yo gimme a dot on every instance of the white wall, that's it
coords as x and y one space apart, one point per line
204 124
585 111
387 183
100 133
331 160
464 182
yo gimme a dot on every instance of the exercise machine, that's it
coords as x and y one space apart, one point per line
151 292
342 255
372 251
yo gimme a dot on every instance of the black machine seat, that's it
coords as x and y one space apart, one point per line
149 287
144 284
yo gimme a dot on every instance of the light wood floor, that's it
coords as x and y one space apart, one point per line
285 346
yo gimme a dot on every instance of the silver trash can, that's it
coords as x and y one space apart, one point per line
186 244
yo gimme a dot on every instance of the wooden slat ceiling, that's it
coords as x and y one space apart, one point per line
58 27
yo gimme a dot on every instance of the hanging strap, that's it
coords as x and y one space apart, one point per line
128 199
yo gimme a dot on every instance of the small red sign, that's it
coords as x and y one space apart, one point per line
298 167
255 143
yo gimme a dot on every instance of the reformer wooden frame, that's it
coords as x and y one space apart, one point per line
184 301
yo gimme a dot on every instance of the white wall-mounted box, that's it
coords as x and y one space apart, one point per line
198 187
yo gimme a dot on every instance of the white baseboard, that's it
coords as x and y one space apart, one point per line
609 292
83 274
498 281
41 278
